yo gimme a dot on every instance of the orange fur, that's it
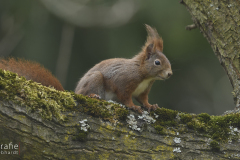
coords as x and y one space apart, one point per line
31 71
153 38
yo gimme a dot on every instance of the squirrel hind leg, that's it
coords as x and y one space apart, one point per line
91 83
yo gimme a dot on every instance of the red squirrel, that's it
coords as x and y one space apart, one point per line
31 71
121 79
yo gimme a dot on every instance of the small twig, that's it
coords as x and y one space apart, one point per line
190 27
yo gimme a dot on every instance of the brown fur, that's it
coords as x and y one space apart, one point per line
31 71
153 38
121 79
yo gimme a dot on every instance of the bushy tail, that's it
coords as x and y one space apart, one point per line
31 71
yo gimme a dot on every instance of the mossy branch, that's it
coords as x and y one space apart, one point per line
62 125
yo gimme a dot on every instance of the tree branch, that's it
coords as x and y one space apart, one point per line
219 23
190 27
113 132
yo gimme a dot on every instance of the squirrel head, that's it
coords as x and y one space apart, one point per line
154 61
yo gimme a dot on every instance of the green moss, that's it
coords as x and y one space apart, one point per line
233 119
92 106
200 127
191 124
166 114
100 108
122 113
215 127
204 117
166 117
219 128
215 146
47 101
197 125
159 129
185 118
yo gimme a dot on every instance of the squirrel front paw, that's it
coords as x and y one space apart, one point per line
152 107
92 95
137 108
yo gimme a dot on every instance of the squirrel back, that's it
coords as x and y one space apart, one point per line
31 71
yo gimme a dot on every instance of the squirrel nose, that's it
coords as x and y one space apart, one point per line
169 74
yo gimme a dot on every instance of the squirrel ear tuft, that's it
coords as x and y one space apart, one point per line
149 51
152 32
149 48
153 39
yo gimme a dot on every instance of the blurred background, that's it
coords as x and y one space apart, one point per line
70 36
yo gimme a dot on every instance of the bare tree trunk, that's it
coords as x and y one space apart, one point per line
219 22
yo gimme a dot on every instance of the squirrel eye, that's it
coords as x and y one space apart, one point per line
157 62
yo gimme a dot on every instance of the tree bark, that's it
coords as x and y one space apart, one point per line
45 139
219 22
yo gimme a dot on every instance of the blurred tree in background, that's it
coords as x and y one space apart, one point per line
69 37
